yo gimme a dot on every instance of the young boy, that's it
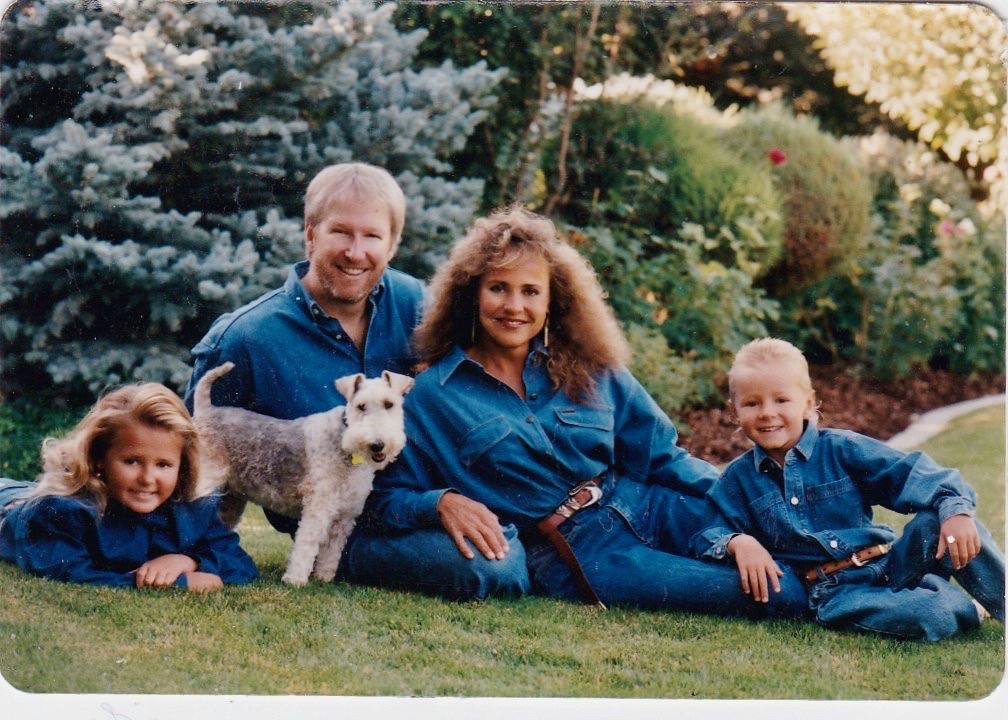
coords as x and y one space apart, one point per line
804 496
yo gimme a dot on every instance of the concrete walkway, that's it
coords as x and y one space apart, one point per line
931 423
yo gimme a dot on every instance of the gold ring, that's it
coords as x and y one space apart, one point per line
950 539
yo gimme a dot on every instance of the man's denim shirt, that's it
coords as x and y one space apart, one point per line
288 353
520 456
820 507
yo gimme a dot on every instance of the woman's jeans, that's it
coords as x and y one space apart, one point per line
633 550
907 593
428 561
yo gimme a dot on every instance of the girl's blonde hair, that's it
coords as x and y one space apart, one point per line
349 182
767 350
584 337
70 464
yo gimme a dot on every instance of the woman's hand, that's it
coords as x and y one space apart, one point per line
756 567
164 571
466 519
966 543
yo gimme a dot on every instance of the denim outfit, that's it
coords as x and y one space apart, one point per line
64 538
287 353
818 508
520 456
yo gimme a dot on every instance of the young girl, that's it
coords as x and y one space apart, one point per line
117 503
804 496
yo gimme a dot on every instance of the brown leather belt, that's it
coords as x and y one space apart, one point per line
858 559
581 496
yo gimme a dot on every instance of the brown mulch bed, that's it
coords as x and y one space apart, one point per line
873 408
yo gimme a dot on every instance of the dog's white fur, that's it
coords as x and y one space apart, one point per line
320 467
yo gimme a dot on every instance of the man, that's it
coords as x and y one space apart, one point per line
344 311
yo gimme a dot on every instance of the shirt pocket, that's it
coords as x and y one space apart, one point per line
482 439
770 512
836 504
584 430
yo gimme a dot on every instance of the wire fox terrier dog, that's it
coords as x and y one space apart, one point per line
318 467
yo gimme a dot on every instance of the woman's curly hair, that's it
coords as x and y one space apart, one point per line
584 336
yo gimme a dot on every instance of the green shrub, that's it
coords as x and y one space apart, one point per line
927 284
24 424
827 194
703 309
639 167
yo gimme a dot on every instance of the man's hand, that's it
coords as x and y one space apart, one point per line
466 519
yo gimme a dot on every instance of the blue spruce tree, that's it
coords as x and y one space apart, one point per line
154 157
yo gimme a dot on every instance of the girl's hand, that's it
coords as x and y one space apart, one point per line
756 567
966 543
163 571
203 582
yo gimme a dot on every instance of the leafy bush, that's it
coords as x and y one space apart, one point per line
827 195
24 424
703 309
927 284
653 169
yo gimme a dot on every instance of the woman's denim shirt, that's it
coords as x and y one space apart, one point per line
288 353
520 456
819 505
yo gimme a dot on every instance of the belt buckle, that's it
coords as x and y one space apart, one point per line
571 505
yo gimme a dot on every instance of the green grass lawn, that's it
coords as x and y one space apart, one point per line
269 639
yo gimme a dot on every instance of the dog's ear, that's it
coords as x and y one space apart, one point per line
400 383
348 385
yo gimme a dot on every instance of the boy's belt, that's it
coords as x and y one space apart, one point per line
581 496
858 559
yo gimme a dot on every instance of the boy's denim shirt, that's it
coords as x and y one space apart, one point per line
520 456
819 505
288 353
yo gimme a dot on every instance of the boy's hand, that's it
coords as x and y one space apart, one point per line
960 538
163 571
756 567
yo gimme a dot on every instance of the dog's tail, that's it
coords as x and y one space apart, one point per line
201 396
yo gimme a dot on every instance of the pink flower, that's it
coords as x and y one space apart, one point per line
777 156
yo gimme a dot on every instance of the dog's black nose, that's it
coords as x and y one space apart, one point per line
377 446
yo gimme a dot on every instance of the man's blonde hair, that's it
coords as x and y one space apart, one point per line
350 182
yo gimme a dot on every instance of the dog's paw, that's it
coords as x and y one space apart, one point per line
296 580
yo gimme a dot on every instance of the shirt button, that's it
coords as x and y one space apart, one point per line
833 543
534 396
530 419
794 501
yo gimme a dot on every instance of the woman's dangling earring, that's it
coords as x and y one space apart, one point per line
546 332
472 330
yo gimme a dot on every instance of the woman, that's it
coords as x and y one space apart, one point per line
526 416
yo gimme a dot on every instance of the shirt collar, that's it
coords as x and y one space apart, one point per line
804 447
456 357
296 289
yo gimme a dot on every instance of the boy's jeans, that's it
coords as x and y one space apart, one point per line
908 594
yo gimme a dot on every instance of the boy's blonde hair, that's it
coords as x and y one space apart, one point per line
766 350
348 182
70 464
